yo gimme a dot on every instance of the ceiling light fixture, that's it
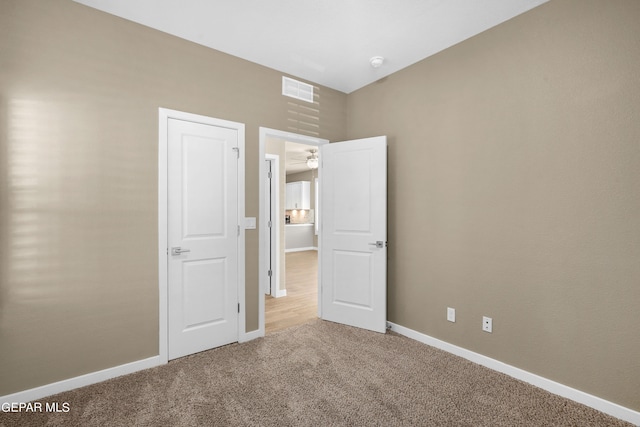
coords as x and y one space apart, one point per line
376 61
312 163
312 160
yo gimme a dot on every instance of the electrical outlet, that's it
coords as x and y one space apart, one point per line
451 314
487 324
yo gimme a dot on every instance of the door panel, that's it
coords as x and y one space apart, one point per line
352 279
202 221
354 213
203 292
203 186
352 193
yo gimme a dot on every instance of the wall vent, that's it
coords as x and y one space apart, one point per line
296 89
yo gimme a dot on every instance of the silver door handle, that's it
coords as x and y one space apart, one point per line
177 250
379 244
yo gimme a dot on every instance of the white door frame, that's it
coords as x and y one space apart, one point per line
262 261
275 225
163 248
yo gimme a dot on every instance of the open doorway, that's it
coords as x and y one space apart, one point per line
300 305
288 267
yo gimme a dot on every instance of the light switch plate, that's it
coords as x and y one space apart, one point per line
250 223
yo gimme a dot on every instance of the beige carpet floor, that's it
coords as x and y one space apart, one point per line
316 374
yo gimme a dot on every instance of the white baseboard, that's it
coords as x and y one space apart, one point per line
280 293
81 381
248 336
309 248
99 376
595 402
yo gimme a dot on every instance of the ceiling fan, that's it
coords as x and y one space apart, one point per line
311 160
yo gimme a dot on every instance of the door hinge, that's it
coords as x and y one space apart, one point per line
269 224
269 273
237 150
238 230
238 307
269 175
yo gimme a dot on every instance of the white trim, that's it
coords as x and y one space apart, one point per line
316 206
275 227
265 133
81 381
242 315
163 242
242 299
164 115
280 293
592 401
319 236
251 336
309 248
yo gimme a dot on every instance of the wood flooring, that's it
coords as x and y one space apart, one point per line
301 303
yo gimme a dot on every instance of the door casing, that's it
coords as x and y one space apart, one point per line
163 248
264 134
274 232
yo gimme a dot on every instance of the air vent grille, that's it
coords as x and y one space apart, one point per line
296 89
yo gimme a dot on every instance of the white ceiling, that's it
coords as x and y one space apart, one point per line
328 42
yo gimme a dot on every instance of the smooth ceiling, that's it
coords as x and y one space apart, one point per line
326 42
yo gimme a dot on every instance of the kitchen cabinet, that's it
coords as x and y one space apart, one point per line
298 195
298 237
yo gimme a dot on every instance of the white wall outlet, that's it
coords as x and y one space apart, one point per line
487 324
451 314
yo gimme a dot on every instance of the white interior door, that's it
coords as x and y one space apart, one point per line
353 246
269 240
203 234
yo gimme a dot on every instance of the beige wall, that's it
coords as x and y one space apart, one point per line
79 98
514 177
513 186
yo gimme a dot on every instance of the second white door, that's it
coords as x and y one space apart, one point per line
353 235
202 236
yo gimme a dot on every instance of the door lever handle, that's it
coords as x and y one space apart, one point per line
378 244
177 250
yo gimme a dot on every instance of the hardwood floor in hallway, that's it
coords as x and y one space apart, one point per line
301 303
